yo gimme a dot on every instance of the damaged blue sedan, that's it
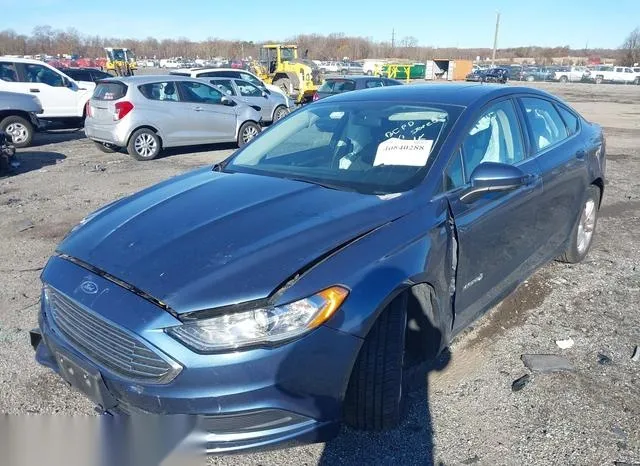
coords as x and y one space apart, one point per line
290 287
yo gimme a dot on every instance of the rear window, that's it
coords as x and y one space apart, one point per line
110 91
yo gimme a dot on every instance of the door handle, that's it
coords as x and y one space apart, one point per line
34 90
581 154
198 109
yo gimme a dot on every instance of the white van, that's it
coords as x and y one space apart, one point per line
61 97
170 63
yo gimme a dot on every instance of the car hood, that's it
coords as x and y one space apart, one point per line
209 239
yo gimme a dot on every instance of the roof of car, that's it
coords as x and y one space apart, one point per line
353 77
463 94
212 68
150 78
21 60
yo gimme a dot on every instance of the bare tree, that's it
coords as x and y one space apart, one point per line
631 48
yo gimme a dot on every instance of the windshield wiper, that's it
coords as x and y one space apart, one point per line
337 187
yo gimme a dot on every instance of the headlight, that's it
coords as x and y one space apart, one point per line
263 326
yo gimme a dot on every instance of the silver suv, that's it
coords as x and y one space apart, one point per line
148 113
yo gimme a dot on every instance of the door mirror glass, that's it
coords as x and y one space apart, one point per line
493 177
264 94
227 101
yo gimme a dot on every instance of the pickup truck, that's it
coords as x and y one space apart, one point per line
18 116
613 74
572 74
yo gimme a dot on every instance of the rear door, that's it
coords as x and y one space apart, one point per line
210 119
561 155
498 234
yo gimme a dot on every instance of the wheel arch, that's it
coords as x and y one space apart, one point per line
599 182
152 128
19 113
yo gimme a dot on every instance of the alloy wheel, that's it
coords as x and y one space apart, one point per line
145 145
19 132
586 226
249 133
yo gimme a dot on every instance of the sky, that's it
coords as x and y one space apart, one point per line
461 23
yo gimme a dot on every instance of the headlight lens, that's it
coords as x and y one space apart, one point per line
260 326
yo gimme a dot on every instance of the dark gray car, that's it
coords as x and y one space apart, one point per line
340 84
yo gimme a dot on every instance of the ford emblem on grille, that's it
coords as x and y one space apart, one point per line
89 287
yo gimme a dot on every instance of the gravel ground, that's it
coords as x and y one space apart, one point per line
467 413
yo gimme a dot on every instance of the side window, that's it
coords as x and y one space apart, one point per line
160 91
82 75
224 85
199 93
545 122
8 72
572 122
42 74
454 174
374 83
495 137
247 89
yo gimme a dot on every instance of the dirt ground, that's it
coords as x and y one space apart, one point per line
467 413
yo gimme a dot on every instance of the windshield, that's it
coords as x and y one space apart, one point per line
287 54
369 147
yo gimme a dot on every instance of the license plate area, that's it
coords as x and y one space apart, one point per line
85 379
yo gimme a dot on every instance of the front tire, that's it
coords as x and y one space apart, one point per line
279 113
582 233
563 79
375 397
144 145
21 130
599 79
247 132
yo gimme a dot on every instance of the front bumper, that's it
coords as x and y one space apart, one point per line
244 400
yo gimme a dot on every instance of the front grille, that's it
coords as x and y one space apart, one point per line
107 344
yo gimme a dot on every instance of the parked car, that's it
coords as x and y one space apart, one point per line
477 75
272 106
612 74
338 85
233 73
86 75
533 73
329 67
170 63
146 114
371 67
63 99
570 74
350 67
292 286
19 116
498 75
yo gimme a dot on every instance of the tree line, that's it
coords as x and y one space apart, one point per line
50 41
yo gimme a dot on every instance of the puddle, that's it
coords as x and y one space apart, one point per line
513 311
621 209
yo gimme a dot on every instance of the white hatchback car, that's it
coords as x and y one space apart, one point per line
62 98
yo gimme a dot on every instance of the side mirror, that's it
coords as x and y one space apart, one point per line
227 101
67 83
493 177
264 94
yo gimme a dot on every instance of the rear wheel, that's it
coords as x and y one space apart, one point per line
375 398
582 232
248 131
106 147
21 130
530 78
599 79
144 144
563 79
637 81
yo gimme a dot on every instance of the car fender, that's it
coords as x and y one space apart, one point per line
414 249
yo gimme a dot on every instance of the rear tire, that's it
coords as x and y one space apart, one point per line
21 130
582 233
375 396
247 132
106 147
279 113
144 145
599 79
563 79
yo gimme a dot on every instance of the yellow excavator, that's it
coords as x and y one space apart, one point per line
279 65
120 61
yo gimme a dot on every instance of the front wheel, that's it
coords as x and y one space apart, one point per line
582 232
599 79
563 79
248 131
375 397
530 79
144 144
637 81
279 113
21 130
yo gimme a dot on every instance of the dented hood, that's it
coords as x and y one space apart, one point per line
208 239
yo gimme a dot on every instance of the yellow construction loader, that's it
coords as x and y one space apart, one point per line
120 61
297 77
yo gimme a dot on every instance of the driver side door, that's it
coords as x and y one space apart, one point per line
212 121
499 232
50 88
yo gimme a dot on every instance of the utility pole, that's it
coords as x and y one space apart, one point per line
393 39
495 39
